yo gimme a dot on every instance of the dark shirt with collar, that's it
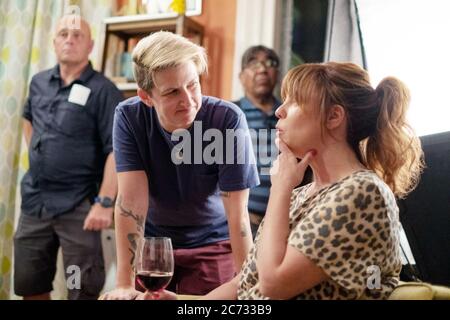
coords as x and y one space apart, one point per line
70 141
262 127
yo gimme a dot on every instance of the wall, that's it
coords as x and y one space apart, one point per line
219 19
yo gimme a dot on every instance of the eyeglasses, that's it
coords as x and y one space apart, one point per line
256 64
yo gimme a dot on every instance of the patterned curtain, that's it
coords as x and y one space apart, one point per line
26 47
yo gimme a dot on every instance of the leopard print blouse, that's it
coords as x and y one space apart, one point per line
350 229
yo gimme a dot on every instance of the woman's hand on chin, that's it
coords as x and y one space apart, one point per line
287 172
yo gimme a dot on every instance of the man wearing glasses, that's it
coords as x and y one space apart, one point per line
259 76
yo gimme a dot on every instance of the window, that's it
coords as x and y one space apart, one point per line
409 40
308 31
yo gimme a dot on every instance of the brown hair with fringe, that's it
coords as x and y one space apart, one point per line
377 128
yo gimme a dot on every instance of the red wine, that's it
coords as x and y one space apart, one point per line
154 280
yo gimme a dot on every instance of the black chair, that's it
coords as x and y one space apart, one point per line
425 213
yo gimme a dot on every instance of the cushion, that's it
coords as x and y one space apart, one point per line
419 291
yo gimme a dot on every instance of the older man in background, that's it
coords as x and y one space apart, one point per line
68 191
259 76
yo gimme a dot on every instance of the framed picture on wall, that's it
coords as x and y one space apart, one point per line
161 8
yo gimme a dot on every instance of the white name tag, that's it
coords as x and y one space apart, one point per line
79 94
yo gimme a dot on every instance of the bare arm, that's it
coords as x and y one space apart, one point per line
27 131
109 182
283 271
99 217
130 214
227 291
235 204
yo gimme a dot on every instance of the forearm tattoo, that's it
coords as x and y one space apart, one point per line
132 239
129 214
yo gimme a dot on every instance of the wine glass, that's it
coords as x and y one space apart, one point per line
154 263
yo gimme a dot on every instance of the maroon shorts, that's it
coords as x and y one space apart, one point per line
200 270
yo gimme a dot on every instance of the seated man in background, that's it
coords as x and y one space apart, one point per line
68 128
259 76
173 189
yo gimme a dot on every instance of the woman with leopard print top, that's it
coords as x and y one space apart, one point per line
338 237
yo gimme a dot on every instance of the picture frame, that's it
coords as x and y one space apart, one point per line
161 8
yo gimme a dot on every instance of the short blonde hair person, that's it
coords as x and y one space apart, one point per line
162 50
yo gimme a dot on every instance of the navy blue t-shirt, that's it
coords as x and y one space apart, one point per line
185 202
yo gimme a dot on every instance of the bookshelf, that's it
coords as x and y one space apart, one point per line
120 35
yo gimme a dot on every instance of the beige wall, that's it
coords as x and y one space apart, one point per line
219 19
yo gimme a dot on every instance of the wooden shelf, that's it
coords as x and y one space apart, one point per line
137 25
